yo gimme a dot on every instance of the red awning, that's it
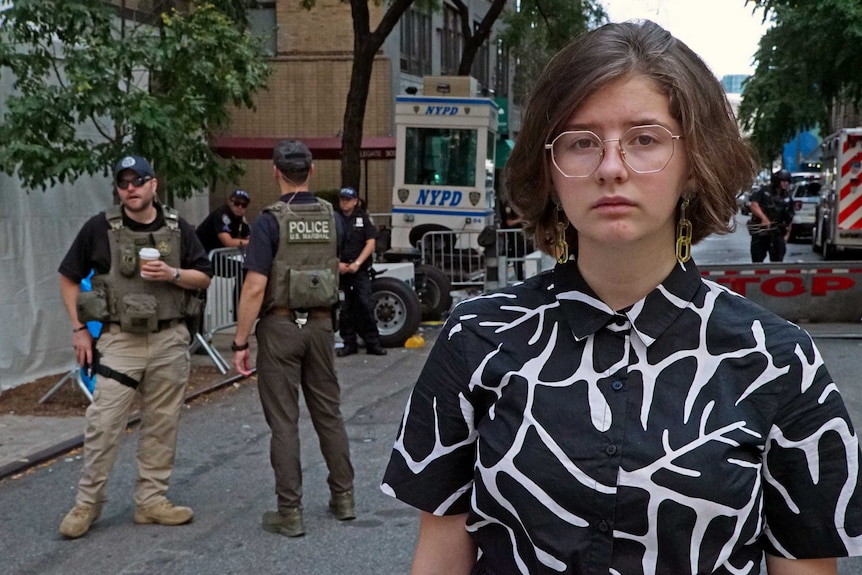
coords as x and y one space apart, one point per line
260 148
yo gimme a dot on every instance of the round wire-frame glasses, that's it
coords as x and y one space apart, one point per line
644 150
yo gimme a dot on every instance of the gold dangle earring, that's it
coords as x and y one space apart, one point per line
683 235
561 246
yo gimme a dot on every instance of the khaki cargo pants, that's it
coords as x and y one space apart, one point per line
160 362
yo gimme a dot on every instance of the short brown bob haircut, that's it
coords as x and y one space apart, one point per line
720 163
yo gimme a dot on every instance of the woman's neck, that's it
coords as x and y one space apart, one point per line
621 277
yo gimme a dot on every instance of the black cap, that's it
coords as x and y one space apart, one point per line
347 193
240 194
291 157
137 164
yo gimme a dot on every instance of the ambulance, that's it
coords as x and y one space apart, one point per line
838 222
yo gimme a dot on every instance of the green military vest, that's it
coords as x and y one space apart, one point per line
136 304
304 271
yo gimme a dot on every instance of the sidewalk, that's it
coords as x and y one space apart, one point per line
26 440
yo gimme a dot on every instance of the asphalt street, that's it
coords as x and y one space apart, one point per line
222 471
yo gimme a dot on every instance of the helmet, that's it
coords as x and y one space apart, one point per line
780 176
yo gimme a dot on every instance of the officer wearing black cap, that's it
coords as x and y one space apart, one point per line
291 285
772 216
226 226
357 246
143 349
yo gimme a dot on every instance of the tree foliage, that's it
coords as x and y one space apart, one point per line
540 29
89 88
366 43
805 63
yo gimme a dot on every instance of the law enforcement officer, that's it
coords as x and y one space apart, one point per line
359 237
226 226
772 208
143 349
292 285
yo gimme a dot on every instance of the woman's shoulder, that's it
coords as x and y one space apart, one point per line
735 313
532 292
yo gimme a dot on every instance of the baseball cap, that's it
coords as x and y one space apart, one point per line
240 194
347 193
291 156
137 164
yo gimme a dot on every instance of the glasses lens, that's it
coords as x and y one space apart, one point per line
240 204
136 182
647 149
577 154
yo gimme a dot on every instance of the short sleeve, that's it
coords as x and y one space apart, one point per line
432 462
812 497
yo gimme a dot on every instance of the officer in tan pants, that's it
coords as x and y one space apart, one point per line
144 347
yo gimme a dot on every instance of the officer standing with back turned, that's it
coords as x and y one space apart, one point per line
143 349
292 286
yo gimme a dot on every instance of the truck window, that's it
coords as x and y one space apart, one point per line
440 156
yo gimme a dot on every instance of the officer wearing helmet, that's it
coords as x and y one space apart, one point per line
771 218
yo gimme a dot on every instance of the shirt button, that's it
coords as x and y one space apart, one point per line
603 526
617 385
611 449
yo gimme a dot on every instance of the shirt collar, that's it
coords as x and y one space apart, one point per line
649 317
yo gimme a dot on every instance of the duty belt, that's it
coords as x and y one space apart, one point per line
301 316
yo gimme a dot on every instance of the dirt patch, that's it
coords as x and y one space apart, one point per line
70 401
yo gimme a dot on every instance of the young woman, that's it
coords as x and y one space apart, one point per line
620 414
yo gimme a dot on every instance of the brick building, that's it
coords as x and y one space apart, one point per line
311 54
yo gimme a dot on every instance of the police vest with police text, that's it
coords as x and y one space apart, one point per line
304 273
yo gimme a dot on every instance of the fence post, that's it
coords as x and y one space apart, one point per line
492 269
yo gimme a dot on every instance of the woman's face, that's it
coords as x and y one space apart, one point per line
615 206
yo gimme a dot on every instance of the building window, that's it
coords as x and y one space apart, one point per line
416 43
501 79
481 65
450 42
262 24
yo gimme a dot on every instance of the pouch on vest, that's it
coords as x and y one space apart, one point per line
312 288
92 306
139 313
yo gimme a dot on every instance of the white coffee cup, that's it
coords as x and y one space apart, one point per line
148 255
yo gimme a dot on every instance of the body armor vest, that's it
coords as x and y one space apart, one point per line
304 271
136 304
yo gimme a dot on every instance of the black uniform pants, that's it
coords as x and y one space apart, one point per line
771 243
357 310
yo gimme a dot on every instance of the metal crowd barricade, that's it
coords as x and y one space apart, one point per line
513 247
222 300
456 254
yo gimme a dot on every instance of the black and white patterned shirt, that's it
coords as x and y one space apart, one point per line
687 434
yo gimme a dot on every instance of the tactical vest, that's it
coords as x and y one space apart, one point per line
304 271
137 304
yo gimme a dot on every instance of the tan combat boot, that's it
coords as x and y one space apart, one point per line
164 513
77 522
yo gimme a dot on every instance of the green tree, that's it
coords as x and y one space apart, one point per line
88 89
805 63
366 43
540 29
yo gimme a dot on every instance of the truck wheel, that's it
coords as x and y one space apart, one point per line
396 310
433 287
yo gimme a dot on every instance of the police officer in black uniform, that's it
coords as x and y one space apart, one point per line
772 209
358 240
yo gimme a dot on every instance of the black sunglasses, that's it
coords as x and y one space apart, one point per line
239 204
137 182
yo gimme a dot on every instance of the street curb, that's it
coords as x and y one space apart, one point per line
75 442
